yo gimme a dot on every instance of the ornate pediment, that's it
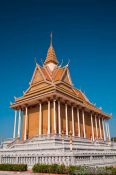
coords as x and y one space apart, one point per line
66 77
37 76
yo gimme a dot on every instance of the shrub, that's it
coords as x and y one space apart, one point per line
112 170
41 168
62 169
72 169
54 168
86 170
13 167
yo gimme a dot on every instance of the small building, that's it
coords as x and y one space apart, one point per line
57 123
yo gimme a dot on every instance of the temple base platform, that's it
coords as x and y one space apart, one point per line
54 149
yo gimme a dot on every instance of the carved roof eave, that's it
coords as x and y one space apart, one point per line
51 85
34 93
84 96
53 91
31 100
73 89
62 82
35 84
91 108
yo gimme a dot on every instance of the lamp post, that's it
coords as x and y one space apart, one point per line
70 140
62 139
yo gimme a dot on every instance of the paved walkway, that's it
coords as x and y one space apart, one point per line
16 172
22 173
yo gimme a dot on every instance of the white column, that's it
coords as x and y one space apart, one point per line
15 120
83 116
108 131
78 119
40 118
73 128
66 119
92 129
59 118
26 117
103 129
54 116
100 128
48 117
19 123
96 127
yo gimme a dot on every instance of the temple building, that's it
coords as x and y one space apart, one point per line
55 122
52 105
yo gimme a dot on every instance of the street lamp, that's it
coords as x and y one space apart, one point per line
70 140
63 139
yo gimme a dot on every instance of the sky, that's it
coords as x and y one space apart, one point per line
84 32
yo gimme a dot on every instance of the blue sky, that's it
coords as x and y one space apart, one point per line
84 31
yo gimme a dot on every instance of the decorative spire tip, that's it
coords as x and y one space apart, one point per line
35 60
51 39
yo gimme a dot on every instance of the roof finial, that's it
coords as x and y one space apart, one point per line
35 60
68 62
51 39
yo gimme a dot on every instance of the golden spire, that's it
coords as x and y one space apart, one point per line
51 56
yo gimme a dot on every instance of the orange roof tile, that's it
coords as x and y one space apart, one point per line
81 95
55 75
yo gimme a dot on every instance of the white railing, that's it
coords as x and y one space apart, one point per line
54 149
62 159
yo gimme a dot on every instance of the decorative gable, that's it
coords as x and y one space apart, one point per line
66 77
37 76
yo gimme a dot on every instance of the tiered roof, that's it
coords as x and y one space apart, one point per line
45 81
